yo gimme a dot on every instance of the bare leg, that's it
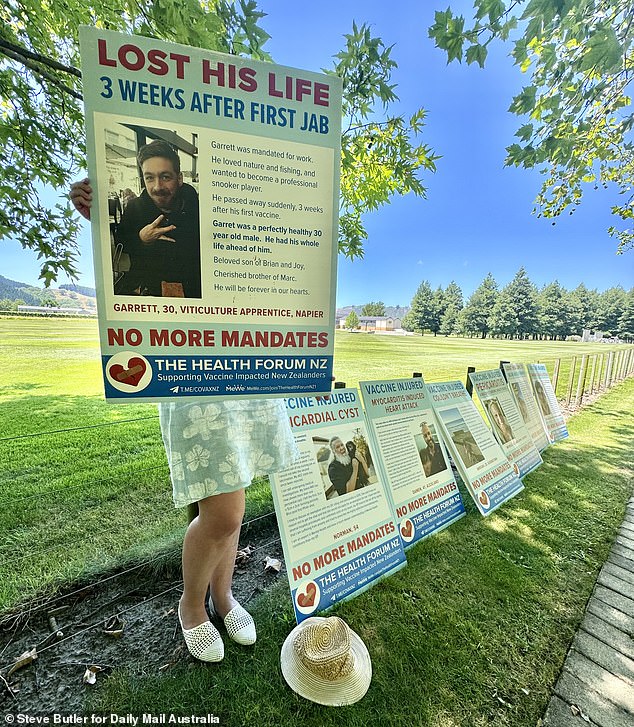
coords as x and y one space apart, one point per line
209 553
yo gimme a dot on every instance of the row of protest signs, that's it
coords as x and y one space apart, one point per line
374 476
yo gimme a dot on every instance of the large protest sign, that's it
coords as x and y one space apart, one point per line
219 278
490 478
420 481
336 523
547 402
506 421
522 391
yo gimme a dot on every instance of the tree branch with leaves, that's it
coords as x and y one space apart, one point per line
578 54
379 157
42 124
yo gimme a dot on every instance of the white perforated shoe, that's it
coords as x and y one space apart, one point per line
240 626
203 641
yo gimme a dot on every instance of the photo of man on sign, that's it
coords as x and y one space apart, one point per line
157 235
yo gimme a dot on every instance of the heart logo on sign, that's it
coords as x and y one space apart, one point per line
484 499
307 599
406 529
132 375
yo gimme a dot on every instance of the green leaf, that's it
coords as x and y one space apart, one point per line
603 52
477 54
524 102
525 132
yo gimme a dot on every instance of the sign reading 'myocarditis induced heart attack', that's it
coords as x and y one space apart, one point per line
215 195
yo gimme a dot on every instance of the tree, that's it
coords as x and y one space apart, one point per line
352 321
42 127
373 309
583 304
452 305
553 311
515 311
611 304
524 295
579 122
408 322
378 158
503 319
626 319
437 309
475 317
421 314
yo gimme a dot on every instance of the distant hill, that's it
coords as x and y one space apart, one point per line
66 296
13 290
83 289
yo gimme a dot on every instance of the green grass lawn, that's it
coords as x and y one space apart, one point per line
363 357
84 483
472 633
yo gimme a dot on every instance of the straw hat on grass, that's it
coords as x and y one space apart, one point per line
325 661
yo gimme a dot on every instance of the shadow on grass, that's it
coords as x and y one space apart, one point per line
9 390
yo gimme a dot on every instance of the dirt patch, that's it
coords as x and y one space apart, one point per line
138 601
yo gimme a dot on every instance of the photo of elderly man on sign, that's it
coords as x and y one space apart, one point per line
345 462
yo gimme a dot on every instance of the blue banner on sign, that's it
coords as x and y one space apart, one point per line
347 579
132 376
501 491
436 518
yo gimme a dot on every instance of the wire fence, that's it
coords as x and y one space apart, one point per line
591 374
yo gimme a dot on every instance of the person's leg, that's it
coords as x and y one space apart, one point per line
220 582
209 552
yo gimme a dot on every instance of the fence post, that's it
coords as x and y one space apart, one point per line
608 370
556 375
571 381
617 367
594 368
581 381
468 384
599 370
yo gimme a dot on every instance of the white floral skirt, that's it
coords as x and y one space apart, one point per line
221 446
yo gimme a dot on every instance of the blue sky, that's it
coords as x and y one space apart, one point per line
477 215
